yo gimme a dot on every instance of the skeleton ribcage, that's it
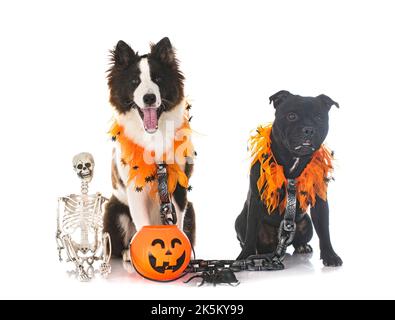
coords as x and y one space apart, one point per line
82 212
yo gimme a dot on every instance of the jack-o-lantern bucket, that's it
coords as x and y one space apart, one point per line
160 253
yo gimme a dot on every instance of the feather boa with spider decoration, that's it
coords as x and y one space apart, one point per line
312 182
143 173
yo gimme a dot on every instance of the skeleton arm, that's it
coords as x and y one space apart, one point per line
105 267
59 242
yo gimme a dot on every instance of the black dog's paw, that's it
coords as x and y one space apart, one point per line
331 259
303 249
243 256
245 253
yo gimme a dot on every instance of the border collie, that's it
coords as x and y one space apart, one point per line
147 93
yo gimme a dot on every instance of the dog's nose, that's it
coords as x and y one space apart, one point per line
149 98
308 131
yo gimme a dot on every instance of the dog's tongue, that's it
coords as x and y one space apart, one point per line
150 119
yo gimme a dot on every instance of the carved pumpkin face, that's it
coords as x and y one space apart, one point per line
160 252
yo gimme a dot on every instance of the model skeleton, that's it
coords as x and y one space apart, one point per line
80 224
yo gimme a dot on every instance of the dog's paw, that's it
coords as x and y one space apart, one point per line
127 266
245 253
126 256
303 249
331 259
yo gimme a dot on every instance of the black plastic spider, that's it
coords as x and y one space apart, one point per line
216 276
150 178
114 138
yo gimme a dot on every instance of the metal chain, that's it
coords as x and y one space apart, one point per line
263 262
252 263
286 232
167 209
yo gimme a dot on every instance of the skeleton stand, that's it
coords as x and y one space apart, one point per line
80 232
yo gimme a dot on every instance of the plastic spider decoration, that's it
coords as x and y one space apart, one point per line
216 276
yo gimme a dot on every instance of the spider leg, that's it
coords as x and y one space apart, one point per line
203 282
194 277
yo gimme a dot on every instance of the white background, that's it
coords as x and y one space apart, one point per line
54 103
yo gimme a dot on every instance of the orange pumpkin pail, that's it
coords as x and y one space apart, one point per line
160 253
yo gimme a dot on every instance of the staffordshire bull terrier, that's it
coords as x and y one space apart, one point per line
291 148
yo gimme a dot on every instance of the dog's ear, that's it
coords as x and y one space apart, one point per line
164 51
279 97
123 54
328 102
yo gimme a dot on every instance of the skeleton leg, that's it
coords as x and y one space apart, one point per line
82 275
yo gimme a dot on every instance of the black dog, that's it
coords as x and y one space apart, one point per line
300 128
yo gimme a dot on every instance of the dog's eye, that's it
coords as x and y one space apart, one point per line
135 81
158 79
292 116
318 118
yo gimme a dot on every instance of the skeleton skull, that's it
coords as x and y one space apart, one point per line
84 164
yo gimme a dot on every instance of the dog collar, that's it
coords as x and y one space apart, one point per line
272 182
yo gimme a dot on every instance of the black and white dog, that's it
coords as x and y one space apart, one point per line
147 93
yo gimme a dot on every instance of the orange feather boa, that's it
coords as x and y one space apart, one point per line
312 182
143 173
